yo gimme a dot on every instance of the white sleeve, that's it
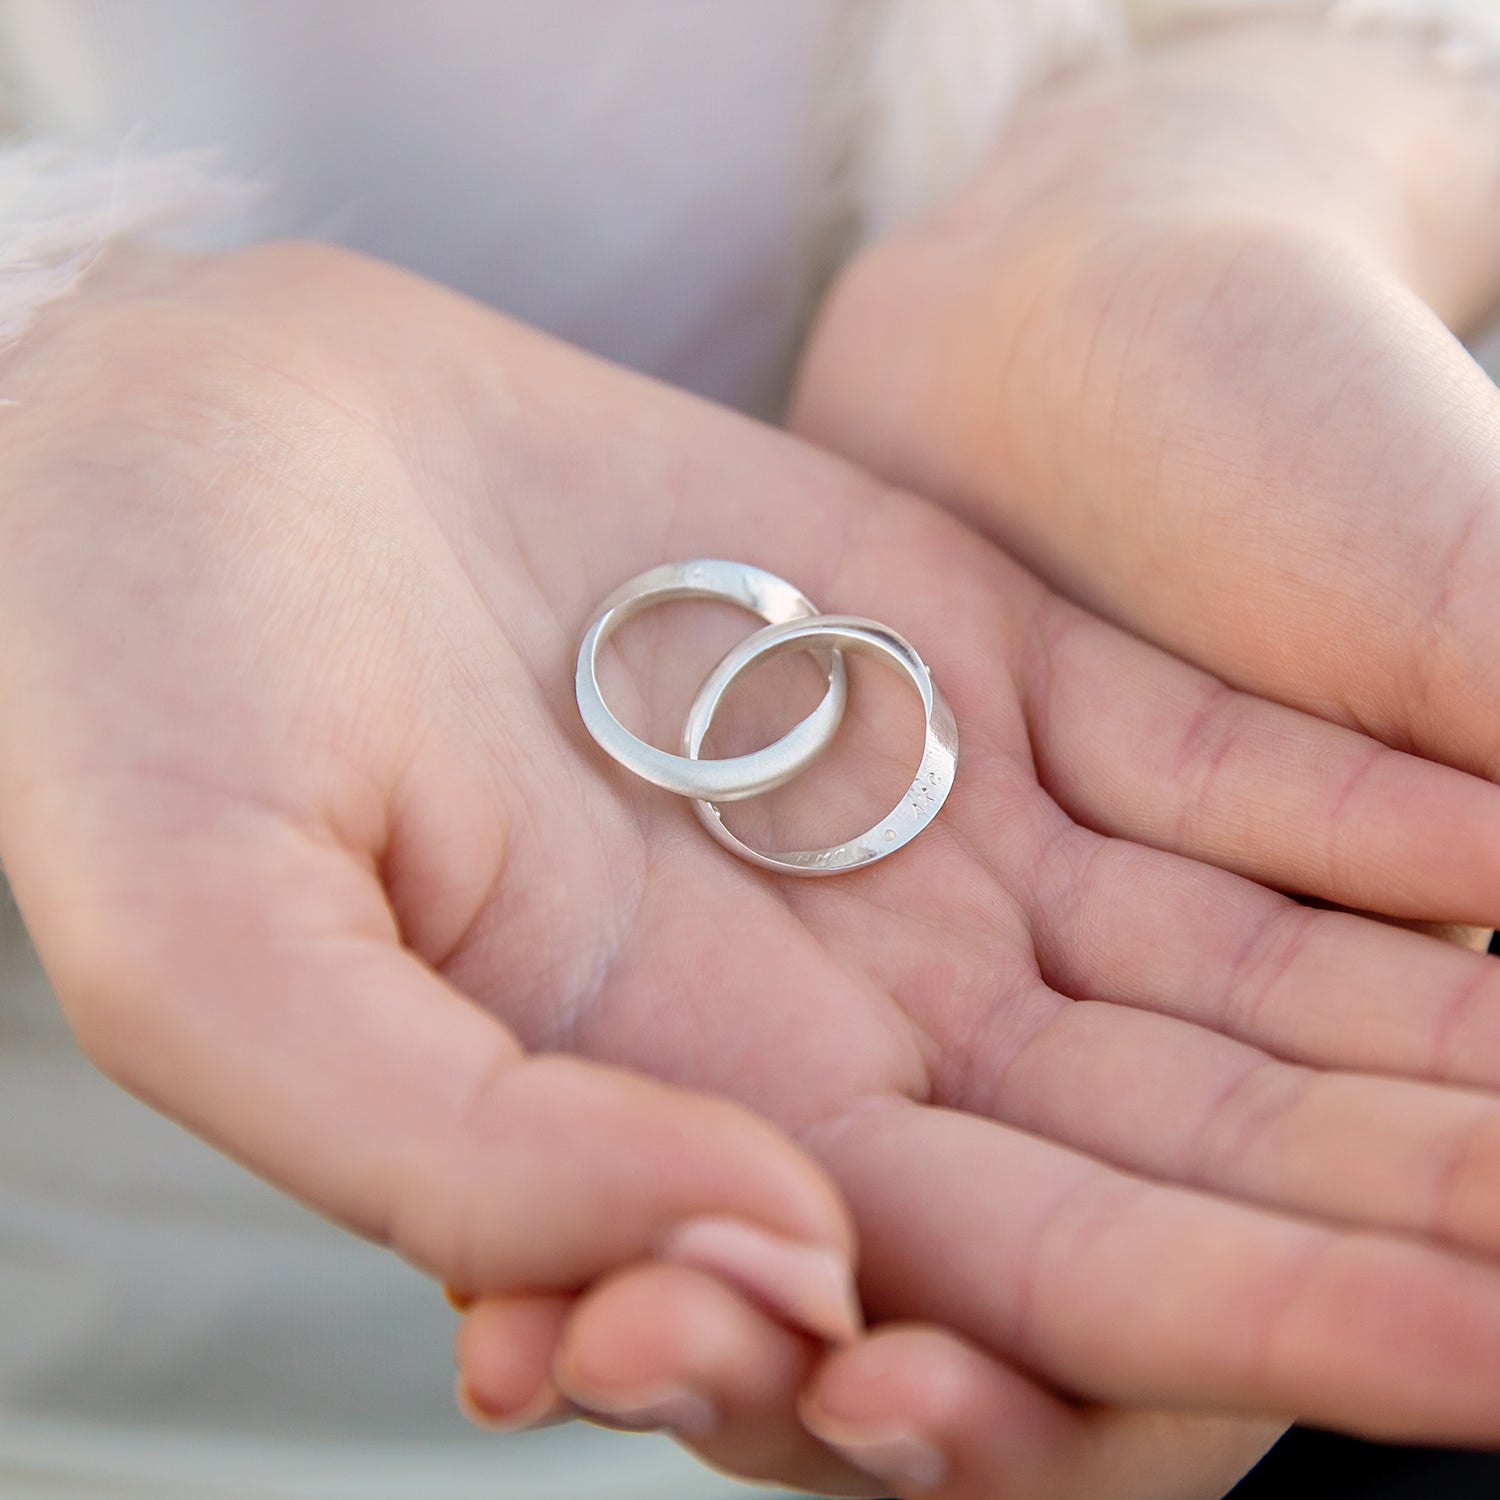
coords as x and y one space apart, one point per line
1461 34
926 89
61 205
922 90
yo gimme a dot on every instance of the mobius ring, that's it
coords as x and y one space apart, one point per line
923 798
735 777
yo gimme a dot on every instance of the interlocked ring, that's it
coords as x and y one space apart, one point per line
930 786
738 776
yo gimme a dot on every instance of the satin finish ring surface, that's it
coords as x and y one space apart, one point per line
930 786
734 777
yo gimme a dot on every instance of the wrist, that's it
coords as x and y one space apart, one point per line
1354 139
1147 206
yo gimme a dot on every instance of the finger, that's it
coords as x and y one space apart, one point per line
936 1417
1124 1291
503 1350
1115 921
659 1346
259 993
1184 1104
1135 744
1475 939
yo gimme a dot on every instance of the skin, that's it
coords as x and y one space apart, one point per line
1184 347
294 554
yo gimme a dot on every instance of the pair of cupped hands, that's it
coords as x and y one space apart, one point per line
1130 1156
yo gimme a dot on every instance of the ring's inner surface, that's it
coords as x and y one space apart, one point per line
652 664
855 782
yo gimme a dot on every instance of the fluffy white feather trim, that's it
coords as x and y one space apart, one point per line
926 87
61 205
1462 34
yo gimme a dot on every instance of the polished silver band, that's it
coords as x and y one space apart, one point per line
930 786
735 777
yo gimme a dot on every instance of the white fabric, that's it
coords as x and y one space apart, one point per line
1436 21
926 90
658 180
59 205
630 175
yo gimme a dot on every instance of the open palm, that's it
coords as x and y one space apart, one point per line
297 552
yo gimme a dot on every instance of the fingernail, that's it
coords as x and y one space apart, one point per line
804 1284
547 1405
671 1407
459 1301
894 1457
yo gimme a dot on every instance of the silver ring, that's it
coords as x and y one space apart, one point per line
930 786
737 776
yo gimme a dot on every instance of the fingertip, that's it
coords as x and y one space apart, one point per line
879 1405
504 1349
655 1327
669 1346
546 1406
924 1410
905 1371
919 1408
809 1287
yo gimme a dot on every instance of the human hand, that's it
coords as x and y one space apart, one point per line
1181 348
295 800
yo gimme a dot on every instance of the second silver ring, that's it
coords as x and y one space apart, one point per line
921 801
